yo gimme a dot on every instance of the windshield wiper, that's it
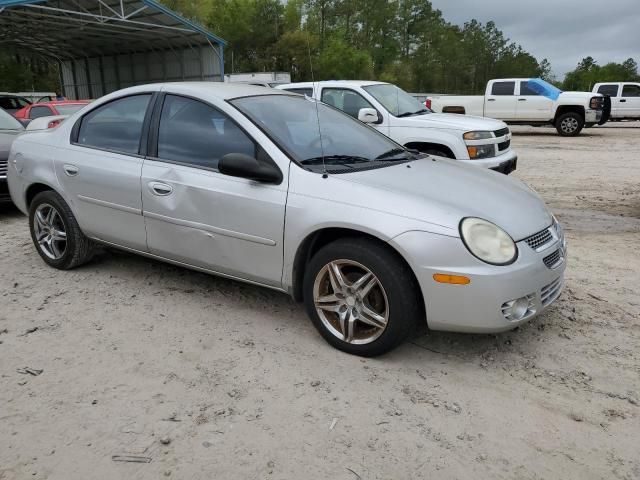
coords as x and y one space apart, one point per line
393 153
334 160
408 114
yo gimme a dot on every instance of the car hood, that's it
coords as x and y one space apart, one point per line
6 139
464 123
442 192
585 96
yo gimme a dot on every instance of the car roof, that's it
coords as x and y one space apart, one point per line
220 90
331 83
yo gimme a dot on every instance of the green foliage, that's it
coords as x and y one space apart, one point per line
23 75
588 73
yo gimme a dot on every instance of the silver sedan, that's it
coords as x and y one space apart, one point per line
277 190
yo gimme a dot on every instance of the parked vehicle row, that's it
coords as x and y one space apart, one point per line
392 111
280 190
530 101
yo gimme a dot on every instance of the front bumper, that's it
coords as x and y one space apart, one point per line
478 306
505 163
592 116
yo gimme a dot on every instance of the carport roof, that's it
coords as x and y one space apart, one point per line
66 29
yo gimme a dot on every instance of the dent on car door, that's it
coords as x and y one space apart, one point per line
100 171
198 216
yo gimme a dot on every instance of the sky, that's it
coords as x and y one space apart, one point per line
563 31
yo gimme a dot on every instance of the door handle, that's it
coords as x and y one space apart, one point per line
160 189
522 99
491 100
71 170
622 101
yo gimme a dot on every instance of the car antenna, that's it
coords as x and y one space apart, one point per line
313 83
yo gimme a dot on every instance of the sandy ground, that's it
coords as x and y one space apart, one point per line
208 378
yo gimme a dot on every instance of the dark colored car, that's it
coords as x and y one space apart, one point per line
9 130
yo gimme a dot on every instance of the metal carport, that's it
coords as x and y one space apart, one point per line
104 45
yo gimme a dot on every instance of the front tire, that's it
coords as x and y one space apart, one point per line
362 297
570 124
56 233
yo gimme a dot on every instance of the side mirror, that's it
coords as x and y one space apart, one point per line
369 115
246 166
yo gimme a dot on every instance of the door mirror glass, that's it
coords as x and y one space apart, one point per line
245 166
368 115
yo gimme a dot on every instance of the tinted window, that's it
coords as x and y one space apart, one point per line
301 91
69 109
13 103
37 112
116 125
195 133
395 100
503 88
525 89
631 91
348 101
611 90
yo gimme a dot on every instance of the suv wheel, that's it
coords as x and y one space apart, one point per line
361 297
56 234
569 124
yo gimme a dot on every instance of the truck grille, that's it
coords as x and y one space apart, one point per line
502 132
539 239
3 168
504 145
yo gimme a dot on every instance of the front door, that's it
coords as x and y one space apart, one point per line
501 102
533 106
101 168
198 216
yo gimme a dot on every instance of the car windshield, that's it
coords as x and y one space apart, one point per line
398 102
316 135
7 122
68 109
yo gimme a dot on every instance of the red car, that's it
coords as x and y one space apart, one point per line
46 109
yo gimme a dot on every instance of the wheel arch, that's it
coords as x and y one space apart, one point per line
319 238
562 109
425 146
34 189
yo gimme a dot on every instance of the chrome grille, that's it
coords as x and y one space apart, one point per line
3 168
502 132
550 292
553 260
540 239
504 145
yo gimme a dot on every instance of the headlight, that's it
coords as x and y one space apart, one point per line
481 151
487 241
477 135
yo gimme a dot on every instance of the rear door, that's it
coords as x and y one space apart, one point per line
198 216
533 106
100 170
501 101
630 100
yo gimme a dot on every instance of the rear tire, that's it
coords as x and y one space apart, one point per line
569 124
56 233
352 318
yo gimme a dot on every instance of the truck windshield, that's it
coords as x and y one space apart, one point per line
7 122
398 102
544 89
339 143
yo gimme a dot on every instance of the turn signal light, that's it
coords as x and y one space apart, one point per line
452 279
473 152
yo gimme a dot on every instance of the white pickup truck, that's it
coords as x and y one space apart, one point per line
625 99
529 101
392 111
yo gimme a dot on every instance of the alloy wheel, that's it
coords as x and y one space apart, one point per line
351 302
569 125
50 231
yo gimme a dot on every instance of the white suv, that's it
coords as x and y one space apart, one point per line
478 141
